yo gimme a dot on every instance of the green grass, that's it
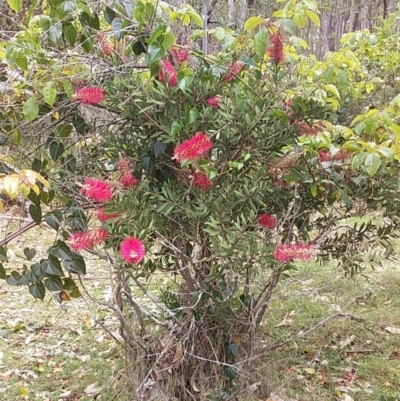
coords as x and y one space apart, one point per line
352 355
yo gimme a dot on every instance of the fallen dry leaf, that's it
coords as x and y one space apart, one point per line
275 397
392 329
92 390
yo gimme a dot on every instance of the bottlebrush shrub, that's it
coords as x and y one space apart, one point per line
209 192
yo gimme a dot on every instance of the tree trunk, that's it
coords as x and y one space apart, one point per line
241 13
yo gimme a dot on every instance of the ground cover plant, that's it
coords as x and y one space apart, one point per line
199 179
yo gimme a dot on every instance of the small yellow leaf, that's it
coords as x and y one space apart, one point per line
30 177
56 115
23 392
35 189
1 206
11 185
41 179
24 190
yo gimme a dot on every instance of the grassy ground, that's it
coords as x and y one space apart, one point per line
47 353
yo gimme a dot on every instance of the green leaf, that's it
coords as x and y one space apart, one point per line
56 150
261 40
68 6
159 148
332 89
79 124
2 272
52 266
29 253
313 17
35 212
232 349
137 47
290 26
30 109
109 15
70 163
69 284
76 265
49 93
37 290
3 253
54 219
176 127
148 163
15 5
372 163
253 22
128 6
116 26
13 279
22 62
70 34
55 31
17 136
191 115
184 80
38 270
230 372
53 283
154 53
168 40
61 251
196 18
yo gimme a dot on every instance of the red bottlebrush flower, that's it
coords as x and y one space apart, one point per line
128 180
97 190
180 55
88 239
324 156
123 166
193 148
103 216
213 101
268 221
202 181
306 129
132 250
104 44
275 49
89 95
233 71
167 74
285 253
